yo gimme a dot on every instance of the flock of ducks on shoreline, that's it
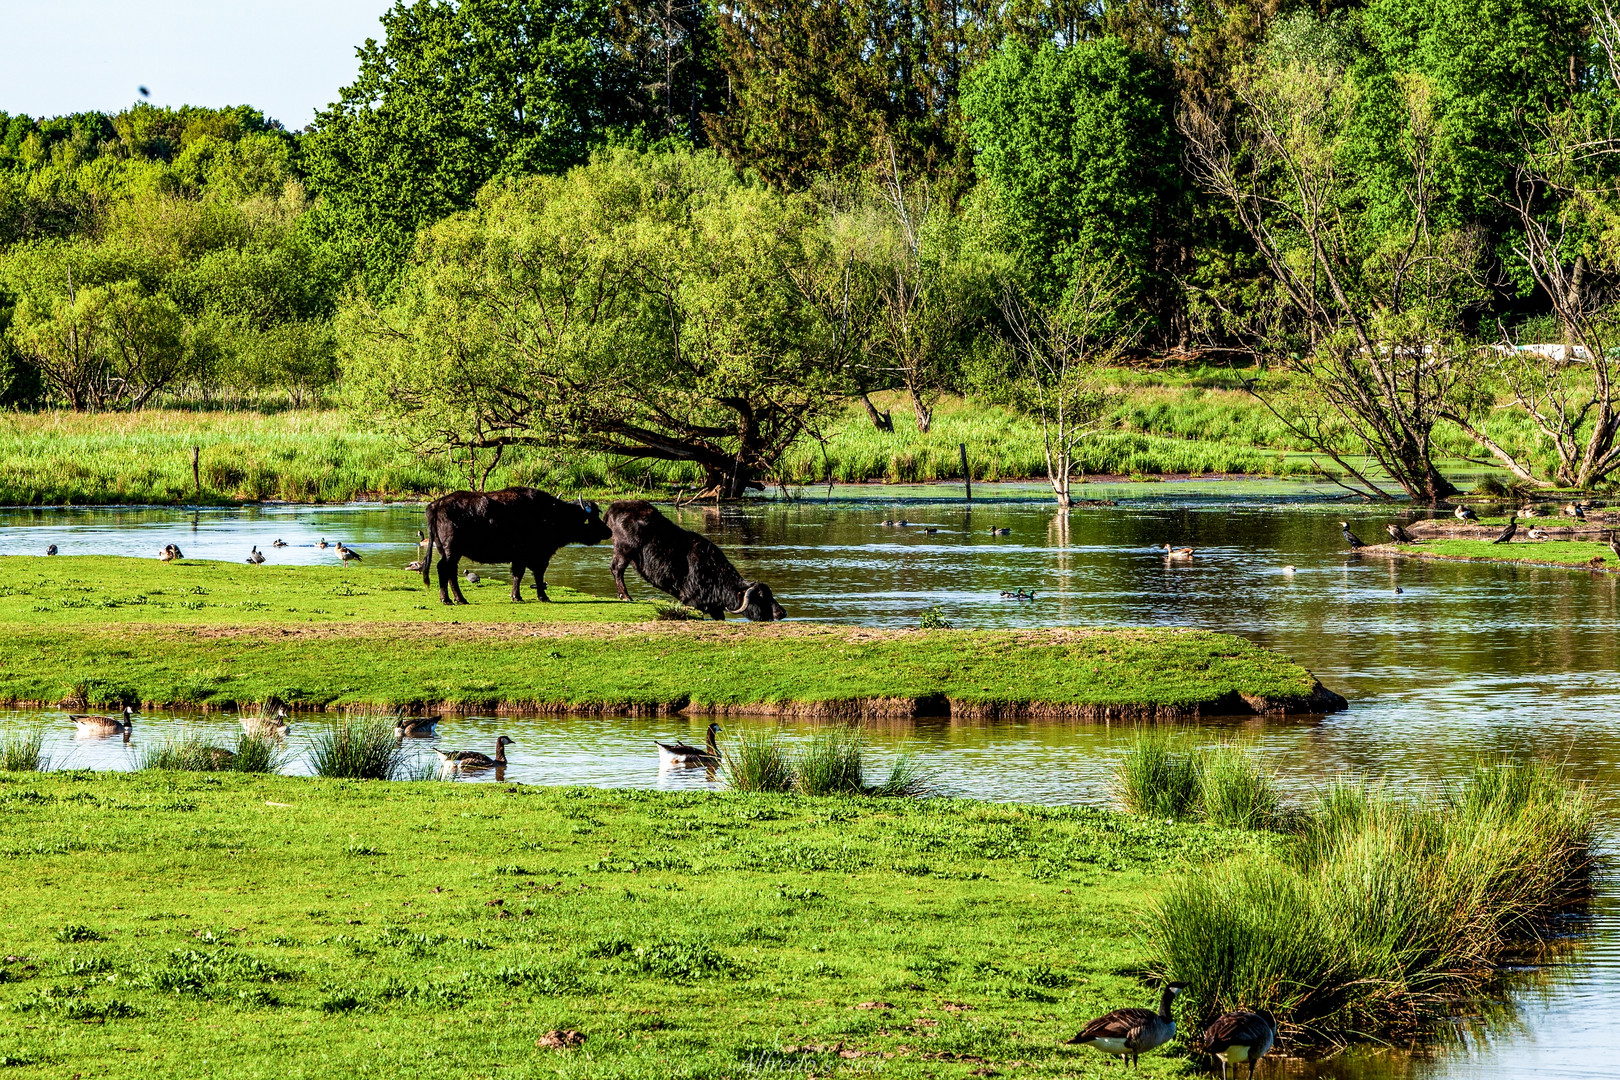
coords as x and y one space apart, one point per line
1234 1038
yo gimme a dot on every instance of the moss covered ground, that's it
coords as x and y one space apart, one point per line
220 925
108 631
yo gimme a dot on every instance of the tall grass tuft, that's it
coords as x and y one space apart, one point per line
189 751
24 751
831 764
259 753
906 780
1159 775
756 761
1236 790
1383 911
359 748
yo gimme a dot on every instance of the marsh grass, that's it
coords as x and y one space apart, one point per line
23 750
831 763
188 751
1235 789
1159 775
359 748
906 780
1384 911
259 752
757 761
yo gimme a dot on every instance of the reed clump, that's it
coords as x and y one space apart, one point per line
359 748
23 750
189 751
1159 776
833 763
1383 912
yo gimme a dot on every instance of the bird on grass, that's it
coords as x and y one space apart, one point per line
1512 527
347 553
256 557
414 566
170 553
266 725
51 550
471 576
104 725
1125 1033
1349 537
278 542
1576 511
687 754
1614 545
1178 554
472 759
1238 1037
1538 534
1465 514
1399 535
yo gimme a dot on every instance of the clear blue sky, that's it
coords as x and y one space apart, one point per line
287 57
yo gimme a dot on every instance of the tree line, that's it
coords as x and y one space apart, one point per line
693 230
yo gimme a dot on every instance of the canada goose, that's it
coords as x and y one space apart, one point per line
107 725
1180 554
266 725
51 550
347 553
930 532
1507 534
278 542
1000 532
414 725
1538 534
1237 1037
471 576
256 557
686 754
902 524
1465 514
472 759
1576 511
1125 1033
323 545
1399 535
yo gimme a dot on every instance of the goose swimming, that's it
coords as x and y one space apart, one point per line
472 759
109 725
686 754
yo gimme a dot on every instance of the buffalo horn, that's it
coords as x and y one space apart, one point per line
743 603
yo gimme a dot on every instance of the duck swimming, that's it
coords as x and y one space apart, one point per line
686 754
104 725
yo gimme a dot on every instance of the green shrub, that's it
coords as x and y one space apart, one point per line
259 753
1159 776
187 752
906 780
755 761
831 763
1235 790
358 749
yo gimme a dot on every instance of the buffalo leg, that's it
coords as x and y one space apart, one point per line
455 582
618 565
447 576
517 582
539 569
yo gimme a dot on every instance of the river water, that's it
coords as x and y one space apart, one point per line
1441 662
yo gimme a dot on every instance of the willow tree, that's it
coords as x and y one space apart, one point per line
649 306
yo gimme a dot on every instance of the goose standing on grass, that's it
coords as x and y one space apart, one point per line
104 725
1178 554
1125 1033
1236 1037
256 557
471 576
414 725
472 759
347 553
1576 511
1464 514
266 725
1399 535
169 553
686 754
1349 537
414 567
51 550
1507 534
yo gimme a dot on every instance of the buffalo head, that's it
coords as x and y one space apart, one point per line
592 530
757 604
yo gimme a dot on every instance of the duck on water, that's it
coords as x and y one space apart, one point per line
686 754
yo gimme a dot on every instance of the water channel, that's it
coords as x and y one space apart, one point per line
1441 661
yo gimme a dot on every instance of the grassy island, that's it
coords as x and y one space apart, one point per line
1571 554
109 631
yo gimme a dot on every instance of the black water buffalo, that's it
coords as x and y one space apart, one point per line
519 525
687 566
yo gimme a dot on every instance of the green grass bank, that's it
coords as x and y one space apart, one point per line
218 925
1570 554
105 631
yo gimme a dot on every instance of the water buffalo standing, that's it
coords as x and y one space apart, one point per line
684 564
519 525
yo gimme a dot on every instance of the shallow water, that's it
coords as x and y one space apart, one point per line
1441 661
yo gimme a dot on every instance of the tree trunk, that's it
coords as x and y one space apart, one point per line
925 415
880 420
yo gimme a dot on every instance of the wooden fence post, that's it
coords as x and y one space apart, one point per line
967 477
196 471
